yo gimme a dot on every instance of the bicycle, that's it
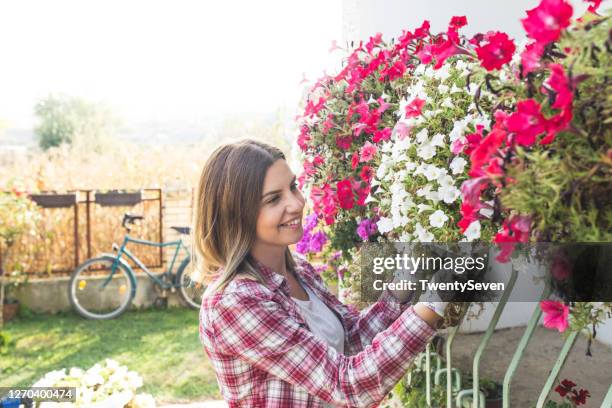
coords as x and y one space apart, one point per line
104 287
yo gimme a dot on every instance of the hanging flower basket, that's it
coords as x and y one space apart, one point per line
54 200
118 198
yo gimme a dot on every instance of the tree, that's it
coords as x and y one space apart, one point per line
73 120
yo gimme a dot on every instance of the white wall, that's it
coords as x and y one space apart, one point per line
364 18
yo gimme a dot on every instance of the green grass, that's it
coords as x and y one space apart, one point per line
162 346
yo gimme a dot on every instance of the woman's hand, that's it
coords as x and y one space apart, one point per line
433 319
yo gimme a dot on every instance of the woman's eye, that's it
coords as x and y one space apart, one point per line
275 199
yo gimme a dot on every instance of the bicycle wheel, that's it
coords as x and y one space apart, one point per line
191 291
95 294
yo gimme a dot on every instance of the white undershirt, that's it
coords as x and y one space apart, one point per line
322 321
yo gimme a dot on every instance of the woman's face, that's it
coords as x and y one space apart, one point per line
282 202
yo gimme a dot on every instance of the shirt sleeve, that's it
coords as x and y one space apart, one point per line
257 330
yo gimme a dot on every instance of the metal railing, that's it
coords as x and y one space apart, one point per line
457 396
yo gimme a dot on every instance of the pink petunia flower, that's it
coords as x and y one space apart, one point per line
532 56
367 152
545 22
414 108
556 315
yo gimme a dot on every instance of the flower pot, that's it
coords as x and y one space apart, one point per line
54 200
118 198
10 310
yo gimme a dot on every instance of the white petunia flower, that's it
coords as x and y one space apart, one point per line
449 194
438 140
443 88
410 166
473 231
424 191
384 225
457 132
447 103
455 89
422 136
405 237
426 151
442 74
421 234
423 207
457 165
445 180
432 172
381 171
438 218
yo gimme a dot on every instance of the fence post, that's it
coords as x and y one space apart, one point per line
487 337
567 346
518 354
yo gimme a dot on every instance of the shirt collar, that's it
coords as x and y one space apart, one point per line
273 279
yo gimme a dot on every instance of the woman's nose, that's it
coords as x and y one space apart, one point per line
296 204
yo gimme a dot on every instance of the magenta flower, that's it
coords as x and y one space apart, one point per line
380 135
345 194
527 122
496 52
556 315
545 22
559 82
366 228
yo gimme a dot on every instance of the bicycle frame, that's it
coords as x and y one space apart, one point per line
122 250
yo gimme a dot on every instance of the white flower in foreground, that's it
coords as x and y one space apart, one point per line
384 225
405 237
432 172
410 166
423 207
449 194
143 401
426 151
473 231
442 88
438 218
422 136
455 89
438 140
444 180
447 103
458 165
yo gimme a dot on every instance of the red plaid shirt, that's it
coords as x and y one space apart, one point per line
264 354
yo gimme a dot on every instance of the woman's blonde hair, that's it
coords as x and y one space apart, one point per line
228 202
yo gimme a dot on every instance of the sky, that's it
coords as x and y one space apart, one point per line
163 59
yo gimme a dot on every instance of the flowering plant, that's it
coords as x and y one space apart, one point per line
440 137
106 384
572 397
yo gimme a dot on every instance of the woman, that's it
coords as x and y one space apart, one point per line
276 336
